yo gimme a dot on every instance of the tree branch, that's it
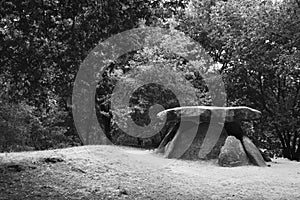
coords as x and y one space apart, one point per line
298 2
280 137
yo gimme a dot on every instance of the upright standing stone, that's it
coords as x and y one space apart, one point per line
233 153
253 153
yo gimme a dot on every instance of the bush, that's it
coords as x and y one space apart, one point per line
25 128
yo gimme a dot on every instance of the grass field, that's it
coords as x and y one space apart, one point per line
111 172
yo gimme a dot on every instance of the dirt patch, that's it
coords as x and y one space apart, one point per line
52 160
15 167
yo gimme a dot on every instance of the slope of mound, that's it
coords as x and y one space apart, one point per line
111 172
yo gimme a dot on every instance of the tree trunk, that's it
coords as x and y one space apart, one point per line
291 152
286 153
140 142
297 154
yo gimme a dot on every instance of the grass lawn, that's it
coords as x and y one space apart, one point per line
111 172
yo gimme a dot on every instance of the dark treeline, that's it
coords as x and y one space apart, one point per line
43 43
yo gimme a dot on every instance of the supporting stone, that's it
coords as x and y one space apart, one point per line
253 153
232 153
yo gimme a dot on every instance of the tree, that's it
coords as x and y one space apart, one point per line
258 44
156 62
44 42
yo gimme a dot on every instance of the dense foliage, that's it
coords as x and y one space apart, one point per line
43 43
258 44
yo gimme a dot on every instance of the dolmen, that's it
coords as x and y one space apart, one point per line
208 132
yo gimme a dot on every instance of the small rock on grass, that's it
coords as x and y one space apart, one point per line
52 160
122 191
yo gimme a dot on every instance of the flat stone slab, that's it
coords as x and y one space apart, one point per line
205 113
